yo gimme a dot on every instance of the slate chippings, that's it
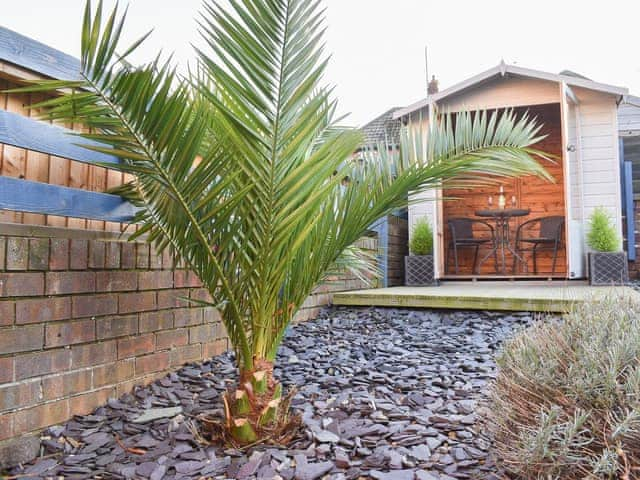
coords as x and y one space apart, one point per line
387 394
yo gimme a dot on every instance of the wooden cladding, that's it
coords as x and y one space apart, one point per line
540 196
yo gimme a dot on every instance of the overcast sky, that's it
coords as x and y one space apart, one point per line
377 46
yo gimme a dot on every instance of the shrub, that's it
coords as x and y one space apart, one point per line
421 238
602 236
566 400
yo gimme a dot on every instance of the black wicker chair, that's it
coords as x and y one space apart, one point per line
462 236
549 237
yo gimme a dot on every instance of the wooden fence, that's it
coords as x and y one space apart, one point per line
46 178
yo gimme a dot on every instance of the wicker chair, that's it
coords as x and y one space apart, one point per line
549 237
463 236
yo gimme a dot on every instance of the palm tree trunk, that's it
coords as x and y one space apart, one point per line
254 410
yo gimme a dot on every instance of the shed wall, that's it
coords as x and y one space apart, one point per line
598 144
503 92
629 115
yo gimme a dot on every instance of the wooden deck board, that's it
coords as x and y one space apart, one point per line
515 296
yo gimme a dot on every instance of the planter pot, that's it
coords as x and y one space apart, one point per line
418 270
608 268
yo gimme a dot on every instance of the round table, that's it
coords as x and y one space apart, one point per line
502 241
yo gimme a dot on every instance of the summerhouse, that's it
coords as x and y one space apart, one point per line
542 233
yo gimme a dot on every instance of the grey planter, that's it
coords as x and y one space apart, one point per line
418 270
608 268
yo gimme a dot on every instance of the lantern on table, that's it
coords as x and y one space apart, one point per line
502 201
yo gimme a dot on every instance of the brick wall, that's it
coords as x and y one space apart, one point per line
82 320
322 294
85 316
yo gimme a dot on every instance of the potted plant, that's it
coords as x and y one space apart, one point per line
607 262
418 266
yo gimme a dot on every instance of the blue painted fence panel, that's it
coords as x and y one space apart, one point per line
34 197
37 57
24 132
630 211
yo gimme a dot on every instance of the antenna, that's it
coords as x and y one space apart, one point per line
426 69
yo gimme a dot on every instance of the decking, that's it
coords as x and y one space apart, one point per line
547 296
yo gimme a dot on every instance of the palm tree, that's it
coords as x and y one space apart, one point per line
263 215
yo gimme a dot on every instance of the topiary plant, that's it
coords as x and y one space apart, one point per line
421 238
565 403
602 235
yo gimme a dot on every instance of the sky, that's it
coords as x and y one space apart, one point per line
377 47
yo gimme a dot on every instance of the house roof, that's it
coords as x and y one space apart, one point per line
383 129
503 69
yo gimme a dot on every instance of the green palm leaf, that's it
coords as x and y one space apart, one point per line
264 215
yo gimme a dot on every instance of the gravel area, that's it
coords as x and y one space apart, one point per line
384 393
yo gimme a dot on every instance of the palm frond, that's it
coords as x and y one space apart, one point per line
240 166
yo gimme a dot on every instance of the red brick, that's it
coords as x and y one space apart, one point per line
3 251
60 283
60 334
21 339
155 280
88 402
42 363
186 354
93 354
43 310
201 294
184 278
17 395
112 327
126 387
128 255
113 373
6 425
172 338
193 280
59 386
211 315
112 255
21 284
116 281
41 416
17 253
134 346
7 313
97 251
38 254
154 321
78 254
202 333
6 369
217 347
167 260
155 260
142 255
94 305
171 298
136 302
59 257
180 278
152 363
187 316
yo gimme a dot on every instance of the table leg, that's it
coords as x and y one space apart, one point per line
504 239
517 257
494 247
